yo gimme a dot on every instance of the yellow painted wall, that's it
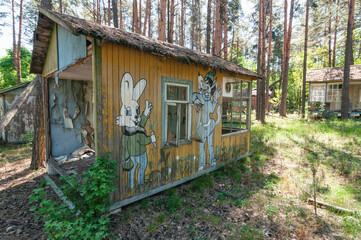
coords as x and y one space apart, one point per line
51 62
164 165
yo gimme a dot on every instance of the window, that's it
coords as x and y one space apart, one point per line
178 114
317 92
236 105
334 92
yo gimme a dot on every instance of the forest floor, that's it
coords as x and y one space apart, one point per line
262 197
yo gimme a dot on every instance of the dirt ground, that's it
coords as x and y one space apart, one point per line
259 198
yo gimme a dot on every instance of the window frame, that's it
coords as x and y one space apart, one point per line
324 92
165 103
333 91
240 100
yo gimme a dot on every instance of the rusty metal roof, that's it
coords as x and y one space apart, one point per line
332 74
79 26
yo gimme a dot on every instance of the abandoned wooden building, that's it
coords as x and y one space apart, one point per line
23 121
165 113
325 93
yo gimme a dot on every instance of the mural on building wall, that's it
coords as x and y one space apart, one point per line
135 138
206 101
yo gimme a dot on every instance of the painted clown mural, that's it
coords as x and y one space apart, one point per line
206 101
134 138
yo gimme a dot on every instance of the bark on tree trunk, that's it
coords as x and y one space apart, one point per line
161 22
19 42
232 45
269 56
218 29
171 22
149 21
61 6
140 17
135 16
335 36
283 107
14 35
181 42
225 39
303 110
263 62
108 12
38 158
329 34
146 17
208 35
115 13
259 49
348 56
120 14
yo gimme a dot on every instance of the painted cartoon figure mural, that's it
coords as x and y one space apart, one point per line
135 138
206 101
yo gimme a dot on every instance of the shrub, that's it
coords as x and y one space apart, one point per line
90 196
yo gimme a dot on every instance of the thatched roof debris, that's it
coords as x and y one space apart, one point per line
332 74
79 26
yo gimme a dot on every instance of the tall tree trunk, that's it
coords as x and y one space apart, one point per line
237 50
94 11
335 36
181 41
218 30
14 35
108 13
135 16
161 21
305 61
263 61
209 29
140 17
199 30
171 22
61 6
192 24
283 107
146 17
329 34
259 49
38 158
232 44
348 56
115 13
214 35
120 14
225 23
149 21
19 42
99 19
269 55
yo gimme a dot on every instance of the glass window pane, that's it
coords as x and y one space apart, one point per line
171 123
245 89
183 121
179 93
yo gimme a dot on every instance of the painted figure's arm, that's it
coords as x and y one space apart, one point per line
125 147
216 96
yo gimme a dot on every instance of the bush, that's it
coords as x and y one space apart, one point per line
90 196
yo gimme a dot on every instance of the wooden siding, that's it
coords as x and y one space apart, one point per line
164 165
51 62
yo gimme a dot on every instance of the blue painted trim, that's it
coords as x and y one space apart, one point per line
164 114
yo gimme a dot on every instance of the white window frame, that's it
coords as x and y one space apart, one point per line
178 103
334 92
311 91
241 100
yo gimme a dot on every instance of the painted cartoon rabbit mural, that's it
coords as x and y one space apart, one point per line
135 138
207 98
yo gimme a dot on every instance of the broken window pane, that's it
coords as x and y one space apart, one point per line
177 93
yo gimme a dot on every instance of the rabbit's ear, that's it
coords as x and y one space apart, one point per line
139 89
126 88
200 80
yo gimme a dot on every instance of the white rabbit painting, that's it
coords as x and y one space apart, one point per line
135 138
